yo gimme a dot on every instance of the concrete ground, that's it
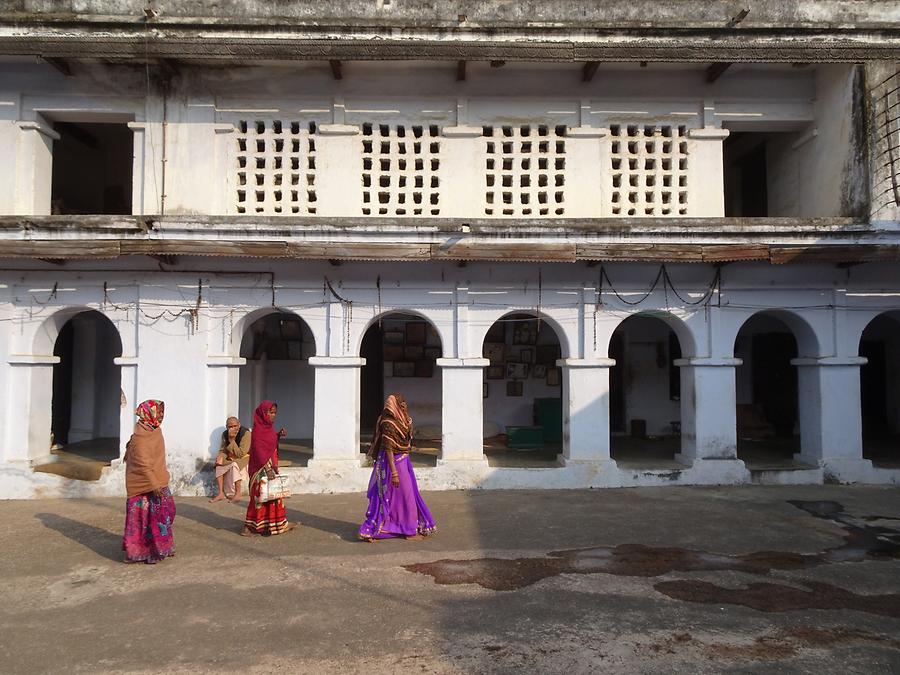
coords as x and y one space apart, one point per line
652 580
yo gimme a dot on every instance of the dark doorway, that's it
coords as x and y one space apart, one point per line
873 387
746 192
617 384
92 169
775 379
371 389
61 407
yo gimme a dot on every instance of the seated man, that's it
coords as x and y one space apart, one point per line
232 460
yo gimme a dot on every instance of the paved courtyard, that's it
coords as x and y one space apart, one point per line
747 579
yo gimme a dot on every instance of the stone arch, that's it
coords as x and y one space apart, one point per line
879 400
486 321
804 332
687 341
240 327
357 335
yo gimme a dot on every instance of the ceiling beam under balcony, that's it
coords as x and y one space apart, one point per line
61 65
336 67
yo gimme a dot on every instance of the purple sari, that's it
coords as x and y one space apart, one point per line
395 511
148 527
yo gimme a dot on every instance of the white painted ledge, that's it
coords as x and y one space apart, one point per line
462 132
587 132
337 130
337 361
708 134
225 361
463 363
586 363
32 360
125 361
831 361
40 128
703 362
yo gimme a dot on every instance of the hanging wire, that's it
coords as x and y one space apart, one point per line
604 275
713 286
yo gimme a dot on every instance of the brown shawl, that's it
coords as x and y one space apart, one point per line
394 428
145 461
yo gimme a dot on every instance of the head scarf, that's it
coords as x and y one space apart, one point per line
263 439
150 413
394 428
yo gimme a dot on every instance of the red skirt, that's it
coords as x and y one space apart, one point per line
264 517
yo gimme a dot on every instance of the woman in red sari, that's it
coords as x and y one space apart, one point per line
264 517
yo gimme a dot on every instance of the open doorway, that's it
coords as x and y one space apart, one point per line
86 400
277 348
92 168
645 394
523 415
401 351
768 429
880 391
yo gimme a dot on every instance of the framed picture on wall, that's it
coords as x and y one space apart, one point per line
404 369
526 355
516 371
393 337
415 333
494 351
514 388
393 352
388 369
552 377
413 352
539 371
494 372
525 333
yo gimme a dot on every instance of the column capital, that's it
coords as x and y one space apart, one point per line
708 134
129 361
706 362
337 361
831 361
586 363
32 360
225 361
463 363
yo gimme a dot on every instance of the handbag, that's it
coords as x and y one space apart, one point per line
273 488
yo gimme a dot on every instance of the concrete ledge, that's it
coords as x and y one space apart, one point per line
337 361
32 360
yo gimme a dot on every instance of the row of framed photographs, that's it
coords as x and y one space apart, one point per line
520 371
499 352
410 352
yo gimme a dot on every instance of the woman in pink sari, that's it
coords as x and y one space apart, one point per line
396 508
264 517
150 509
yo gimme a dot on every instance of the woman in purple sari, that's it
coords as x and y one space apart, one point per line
396 509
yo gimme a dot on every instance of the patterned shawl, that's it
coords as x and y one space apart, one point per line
394 428
263 439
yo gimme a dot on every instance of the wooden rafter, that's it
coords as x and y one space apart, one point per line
460 71
589 70
60 65
336 69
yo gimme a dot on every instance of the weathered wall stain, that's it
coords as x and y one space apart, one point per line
863 541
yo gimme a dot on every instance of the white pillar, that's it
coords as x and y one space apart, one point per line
708 409
462 418
585 394
35 168
706 180
222 394
830 416
336 418
31 377
127 418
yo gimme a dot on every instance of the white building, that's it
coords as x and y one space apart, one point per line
589 251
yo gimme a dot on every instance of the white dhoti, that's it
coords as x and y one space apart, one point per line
232 474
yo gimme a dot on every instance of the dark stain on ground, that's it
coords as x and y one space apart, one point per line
869 538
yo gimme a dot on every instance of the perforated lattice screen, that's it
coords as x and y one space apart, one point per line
525 170
401 166
648 171
275 168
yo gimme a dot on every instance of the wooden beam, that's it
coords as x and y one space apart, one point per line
53 261
336 69
78 133
589 70
460 71
498 63
334 262
714 72
59 64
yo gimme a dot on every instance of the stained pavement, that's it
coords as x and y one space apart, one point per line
741 579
